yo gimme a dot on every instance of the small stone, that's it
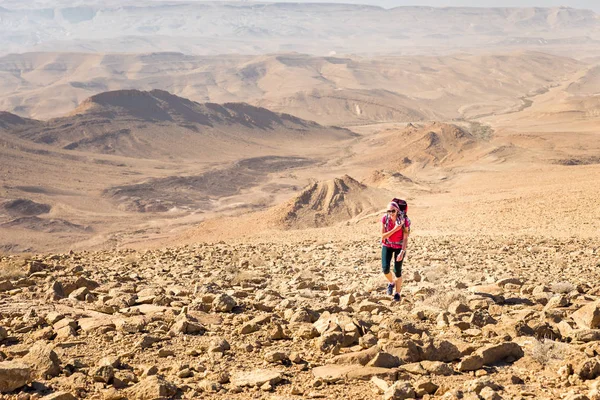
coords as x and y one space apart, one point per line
163 353
59 396
295 357
457 307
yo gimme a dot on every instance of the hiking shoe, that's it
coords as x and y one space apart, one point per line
390 288
397 297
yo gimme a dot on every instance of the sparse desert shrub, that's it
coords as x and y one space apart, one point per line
435 274
443 298
560 261
131 259
13 267
257 261
480 130
544 351
563 287
244 276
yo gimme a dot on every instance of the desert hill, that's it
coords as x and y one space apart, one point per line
421 147
161 106
329 90
588 84
23 207
9 121
157 124
327 203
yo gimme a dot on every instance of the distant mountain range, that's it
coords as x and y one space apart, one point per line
157 124
328 90
252 28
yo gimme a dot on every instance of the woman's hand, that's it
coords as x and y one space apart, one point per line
401 255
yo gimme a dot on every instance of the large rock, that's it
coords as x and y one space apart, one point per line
103 373
256 378
585 335
334 373
384 360
481 318
494 353
152 388
43 360
6 285
398 391
13 375
254 324
588 369
488 355
588 316
186 325
95 323
366 373
441 350
357 357
223 303
437 368
407 351
470 363
491 289
330 341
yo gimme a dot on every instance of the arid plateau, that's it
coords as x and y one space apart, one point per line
191 202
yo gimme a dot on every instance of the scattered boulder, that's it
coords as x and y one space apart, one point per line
14 375
399 390
43 360
152 387
359 357
384 360
255 378
223 303
59 396
588 316
491 354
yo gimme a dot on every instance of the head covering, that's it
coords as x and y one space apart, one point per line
393 205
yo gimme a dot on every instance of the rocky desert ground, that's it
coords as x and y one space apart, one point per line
206 225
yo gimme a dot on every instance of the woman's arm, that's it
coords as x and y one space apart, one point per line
404 244
385 235
405 239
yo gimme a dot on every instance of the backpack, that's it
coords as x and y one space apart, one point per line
402 205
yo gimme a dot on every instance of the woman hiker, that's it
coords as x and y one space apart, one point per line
395 227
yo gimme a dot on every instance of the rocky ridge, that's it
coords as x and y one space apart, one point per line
480 318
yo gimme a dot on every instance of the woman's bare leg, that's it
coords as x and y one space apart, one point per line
389 277
398 284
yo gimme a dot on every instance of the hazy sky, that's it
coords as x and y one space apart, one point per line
588 4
